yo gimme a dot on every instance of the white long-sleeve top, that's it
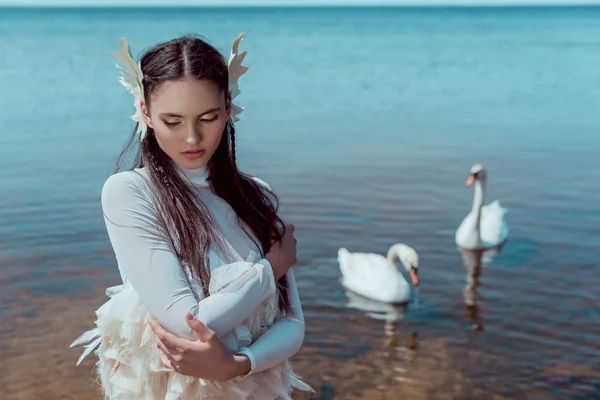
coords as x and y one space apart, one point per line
147 261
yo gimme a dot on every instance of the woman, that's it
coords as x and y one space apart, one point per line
198 243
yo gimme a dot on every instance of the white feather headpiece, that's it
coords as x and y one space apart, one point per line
132 77
236 69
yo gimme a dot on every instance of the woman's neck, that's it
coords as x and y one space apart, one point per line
197 176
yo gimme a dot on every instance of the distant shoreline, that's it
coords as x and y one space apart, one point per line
296 6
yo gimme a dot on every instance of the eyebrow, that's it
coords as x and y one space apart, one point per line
173 115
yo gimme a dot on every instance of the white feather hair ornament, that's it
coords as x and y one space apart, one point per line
132 77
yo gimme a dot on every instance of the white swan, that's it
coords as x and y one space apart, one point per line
484 227
376 277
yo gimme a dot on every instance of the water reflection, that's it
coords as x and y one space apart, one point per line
474 261
391 314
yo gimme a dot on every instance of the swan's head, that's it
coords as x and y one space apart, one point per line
478 173
409 259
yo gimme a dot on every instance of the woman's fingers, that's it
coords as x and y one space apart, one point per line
169 352
168 363
169 339
204 332
286 226
156 327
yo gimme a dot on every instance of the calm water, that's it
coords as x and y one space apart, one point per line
366 122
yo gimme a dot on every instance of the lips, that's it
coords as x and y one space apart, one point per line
193 154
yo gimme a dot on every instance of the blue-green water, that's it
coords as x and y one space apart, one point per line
366 122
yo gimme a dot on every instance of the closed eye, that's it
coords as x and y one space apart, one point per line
171 124
210 119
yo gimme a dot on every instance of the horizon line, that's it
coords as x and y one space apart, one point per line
294 3
223 6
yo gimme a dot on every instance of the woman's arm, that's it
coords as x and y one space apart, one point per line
150 265
280 342
208 358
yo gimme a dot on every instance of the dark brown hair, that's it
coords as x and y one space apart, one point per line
183 215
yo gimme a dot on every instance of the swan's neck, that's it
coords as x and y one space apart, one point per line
478 201
393 255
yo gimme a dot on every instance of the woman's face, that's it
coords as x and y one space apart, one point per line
188 117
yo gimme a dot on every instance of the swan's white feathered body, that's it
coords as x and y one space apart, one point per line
375 276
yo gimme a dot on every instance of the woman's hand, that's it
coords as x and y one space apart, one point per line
206 358
282 254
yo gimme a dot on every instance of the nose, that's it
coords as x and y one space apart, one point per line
193 135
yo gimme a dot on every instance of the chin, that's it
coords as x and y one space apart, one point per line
192 164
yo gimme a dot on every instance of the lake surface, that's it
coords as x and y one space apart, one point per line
366 123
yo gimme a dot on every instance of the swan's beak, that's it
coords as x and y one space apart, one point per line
414 276
471 180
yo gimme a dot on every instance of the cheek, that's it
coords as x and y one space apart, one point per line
213 135
166 140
